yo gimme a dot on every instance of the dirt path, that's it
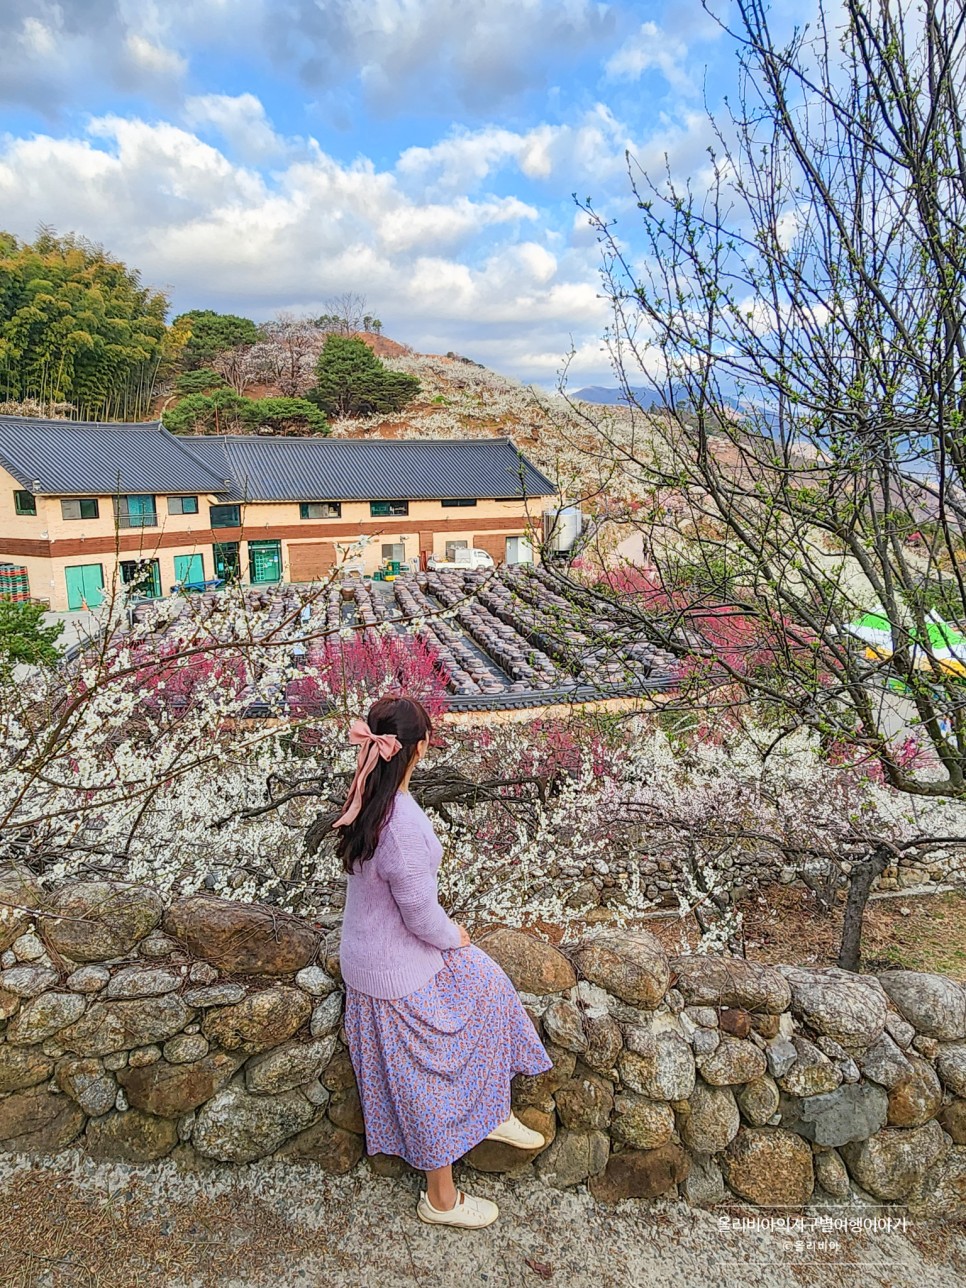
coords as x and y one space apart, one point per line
72 1223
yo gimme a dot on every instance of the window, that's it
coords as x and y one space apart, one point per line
320 510
227 560
135 512
182 505
457 501
25 502
395 551
386 509
141 577
453 548
83 507
225 516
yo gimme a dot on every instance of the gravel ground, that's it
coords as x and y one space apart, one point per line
68 1222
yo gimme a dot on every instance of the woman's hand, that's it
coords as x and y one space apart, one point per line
464 937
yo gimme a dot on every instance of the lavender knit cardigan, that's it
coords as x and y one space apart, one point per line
393 927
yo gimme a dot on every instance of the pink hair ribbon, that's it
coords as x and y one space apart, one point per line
372 747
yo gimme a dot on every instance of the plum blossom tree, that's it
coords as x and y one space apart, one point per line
802 319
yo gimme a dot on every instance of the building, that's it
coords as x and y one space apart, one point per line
83 503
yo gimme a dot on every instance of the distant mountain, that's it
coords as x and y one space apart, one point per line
648 399
613 397
645 398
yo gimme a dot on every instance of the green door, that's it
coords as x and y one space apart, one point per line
188 568
265 561
85 585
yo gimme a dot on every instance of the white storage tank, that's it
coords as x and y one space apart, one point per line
561 528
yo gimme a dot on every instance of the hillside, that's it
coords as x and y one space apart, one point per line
461 399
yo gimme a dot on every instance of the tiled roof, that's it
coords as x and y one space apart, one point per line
345 469
86 458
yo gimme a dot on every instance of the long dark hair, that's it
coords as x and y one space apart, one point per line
410 722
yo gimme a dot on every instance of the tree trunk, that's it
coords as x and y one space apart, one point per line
860 886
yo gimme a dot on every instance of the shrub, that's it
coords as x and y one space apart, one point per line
202 381
227 412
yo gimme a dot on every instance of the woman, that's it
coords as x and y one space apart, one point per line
434 1027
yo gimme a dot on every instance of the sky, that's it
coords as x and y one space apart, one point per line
257 156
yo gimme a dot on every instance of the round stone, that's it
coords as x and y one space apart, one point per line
890 1164
142 1056
710 1120
934 1005
88 979
733 1062
916 1097
758 1100
532 965
185 1048
769 1167
28 981
235 1127
315 981
641 1123
43 1016
97 920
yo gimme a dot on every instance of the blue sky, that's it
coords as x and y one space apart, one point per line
266 155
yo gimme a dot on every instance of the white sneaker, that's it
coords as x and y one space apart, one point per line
469 1213
514 1132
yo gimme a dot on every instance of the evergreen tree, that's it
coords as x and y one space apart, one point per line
24 640
353 382
212 333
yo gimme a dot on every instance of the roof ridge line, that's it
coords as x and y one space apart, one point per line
58 422
175 438
325 438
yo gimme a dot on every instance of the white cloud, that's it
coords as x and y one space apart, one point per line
240 120
461 162
649 49
54 50
468 241
435 54
37 39
154 59
413 55
226 235
591 150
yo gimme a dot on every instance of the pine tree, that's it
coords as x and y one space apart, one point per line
353 382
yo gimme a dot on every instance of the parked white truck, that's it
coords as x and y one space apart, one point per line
465 560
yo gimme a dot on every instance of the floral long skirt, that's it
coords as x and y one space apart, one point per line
434 1068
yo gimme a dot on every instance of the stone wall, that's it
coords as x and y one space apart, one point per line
211 1030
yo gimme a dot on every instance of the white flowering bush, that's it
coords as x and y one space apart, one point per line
637 817
143 761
